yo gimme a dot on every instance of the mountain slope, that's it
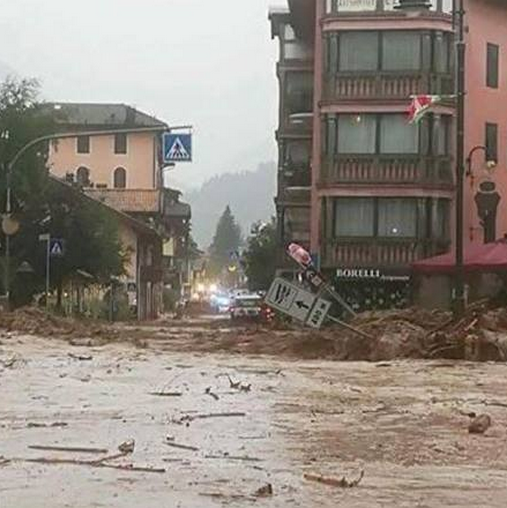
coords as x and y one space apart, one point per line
250 195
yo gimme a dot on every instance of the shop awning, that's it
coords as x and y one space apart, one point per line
489 257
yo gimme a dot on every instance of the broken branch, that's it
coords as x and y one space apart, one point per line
71 449
335 482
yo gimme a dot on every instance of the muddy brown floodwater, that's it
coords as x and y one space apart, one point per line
404 423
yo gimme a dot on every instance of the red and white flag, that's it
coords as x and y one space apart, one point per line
420 105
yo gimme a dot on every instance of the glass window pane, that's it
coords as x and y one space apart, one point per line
397 218
442 138
401 51
359 51
120 143
357 133
397 135
83 144
441 221
442 52
354 217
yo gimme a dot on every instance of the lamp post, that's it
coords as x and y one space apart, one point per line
459 283
8 225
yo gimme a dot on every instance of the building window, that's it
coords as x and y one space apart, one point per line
387 50
120 144
357 134
83 176
443 49
401 51
376 218
397 218
442 130
354 217
441 226
120 178
369 134
397 136
299 92
492 65
491 142
359 51
83 144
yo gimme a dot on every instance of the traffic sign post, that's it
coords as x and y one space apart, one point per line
47 238
56 247
290 299
313 276
177 147
319 313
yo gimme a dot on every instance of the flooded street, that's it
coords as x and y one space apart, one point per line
223 426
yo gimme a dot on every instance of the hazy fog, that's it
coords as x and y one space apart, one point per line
208 63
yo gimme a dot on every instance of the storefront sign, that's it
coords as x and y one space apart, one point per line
358 273
369 273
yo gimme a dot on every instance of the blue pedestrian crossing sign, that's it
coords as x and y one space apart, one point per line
57 248
177 147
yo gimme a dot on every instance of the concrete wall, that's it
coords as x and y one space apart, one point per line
140 161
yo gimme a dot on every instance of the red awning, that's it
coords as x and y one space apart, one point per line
489 257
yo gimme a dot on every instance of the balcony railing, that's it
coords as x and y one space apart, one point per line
387 169
379 253
385 85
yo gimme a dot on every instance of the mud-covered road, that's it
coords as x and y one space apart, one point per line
244 422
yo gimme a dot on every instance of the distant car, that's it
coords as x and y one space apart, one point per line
247 306
220 303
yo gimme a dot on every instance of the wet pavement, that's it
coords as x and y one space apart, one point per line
403 423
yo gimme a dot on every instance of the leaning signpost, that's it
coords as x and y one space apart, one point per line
297 302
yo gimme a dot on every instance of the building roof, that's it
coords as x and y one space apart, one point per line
148 201
129 200
137 225
96 114
179 210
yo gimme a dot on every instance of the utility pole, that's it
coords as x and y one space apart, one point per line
459 283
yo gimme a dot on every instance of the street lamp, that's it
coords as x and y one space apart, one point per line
490 164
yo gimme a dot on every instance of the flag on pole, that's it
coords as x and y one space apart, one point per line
420 105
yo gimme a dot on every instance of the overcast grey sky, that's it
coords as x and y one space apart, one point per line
209 63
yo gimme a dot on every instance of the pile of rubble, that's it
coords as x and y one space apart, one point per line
36 321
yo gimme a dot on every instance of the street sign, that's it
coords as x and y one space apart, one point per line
290 299
177 147
318 313
57 247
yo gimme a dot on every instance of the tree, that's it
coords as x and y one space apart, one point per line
226 242
43 205
259 258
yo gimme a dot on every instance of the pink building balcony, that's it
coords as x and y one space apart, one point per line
384 85
378 252
412 170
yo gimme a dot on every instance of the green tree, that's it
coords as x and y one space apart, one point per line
259 258
43 205
226 242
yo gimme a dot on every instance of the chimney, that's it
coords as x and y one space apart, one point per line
413 5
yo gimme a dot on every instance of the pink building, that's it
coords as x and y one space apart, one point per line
125 172
382 191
